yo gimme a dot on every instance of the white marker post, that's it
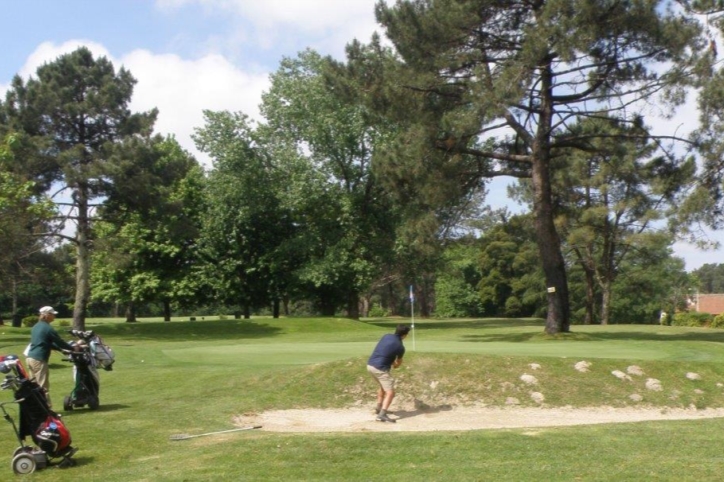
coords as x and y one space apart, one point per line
412 315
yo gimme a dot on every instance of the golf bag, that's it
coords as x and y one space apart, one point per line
102 353
93 353
37 421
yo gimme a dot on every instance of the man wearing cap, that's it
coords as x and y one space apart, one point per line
43 339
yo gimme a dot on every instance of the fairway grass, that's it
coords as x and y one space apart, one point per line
195 377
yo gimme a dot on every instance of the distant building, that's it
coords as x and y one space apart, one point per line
707 303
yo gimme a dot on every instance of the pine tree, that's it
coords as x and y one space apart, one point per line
483 85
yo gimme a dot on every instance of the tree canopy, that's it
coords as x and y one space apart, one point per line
74 110
484 87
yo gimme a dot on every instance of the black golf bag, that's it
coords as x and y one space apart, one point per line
37 421
93 353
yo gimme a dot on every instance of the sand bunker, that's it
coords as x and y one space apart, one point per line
450 418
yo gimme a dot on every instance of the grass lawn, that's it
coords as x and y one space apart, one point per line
194 377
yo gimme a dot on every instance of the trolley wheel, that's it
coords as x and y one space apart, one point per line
67 404
93 403
25 449
23 464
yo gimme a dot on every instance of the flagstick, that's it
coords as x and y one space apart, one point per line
412 315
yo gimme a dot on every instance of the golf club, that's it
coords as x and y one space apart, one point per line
183 436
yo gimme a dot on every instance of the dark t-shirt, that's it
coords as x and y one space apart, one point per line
387 350
44 338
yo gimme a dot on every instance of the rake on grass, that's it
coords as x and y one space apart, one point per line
185 436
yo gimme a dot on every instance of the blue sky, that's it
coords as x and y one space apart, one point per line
192 55
187 55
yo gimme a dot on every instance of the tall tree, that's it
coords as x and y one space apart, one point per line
711 277
246 223
76 106
339 135
146 244
456 286
611 202
511 282
654 281
485 85
24 214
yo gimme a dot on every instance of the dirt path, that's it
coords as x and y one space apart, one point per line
458 418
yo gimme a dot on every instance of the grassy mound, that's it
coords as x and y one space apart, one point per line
435 380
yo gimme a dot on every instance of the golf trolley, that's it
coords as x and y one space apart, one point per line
93 353
37 420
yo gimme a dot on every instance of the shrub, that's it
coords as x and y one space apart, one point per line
64 323
513 307
378 311
718 321
30 321
692 318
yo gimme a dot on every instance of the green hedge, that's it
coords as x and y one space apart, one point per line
30 320
718 321
693 319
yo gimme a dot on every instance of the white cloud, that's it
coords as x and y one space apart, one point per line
307 15
48 52
325 25
182 89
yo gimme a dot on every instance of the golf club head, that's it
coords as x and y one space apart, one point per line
9 382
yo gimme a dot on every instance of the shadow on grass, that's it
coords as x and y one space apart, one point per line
501 337
79 461
13 340
714 336
711 337
465 323
422 408
56 366
193 330
110 407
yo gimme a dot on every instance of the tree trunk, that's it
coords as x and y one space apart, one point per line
391 300
606 302
15 296
327 307
365 307
247 311
590 292
166 310
608 273
131 312
275 308
82 265
590 300
422 302
353 306
549 244
558 316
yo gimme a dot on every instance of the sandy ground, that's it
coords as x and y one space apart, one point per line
458 418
